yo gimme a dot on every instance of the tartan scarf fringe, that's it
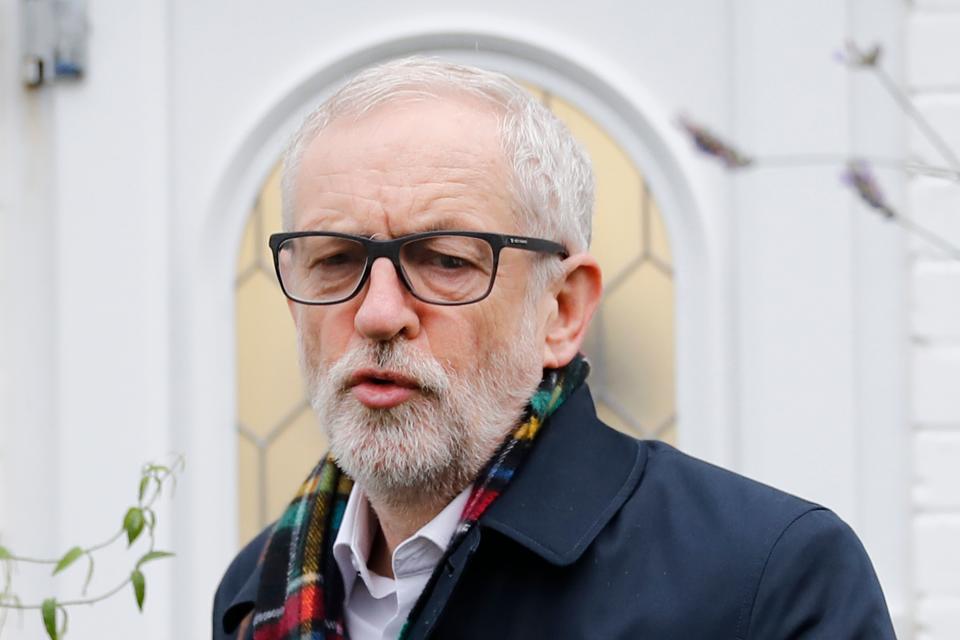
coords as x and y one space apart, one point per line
301 592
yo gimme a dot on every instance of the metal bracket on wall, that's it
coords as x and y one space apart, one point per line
54 40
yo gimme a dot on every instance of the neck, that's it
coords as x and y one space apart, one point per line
395 523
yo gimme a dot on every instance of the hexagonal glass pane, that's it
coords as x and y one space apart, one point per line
248 488
617 224
269 385
270 205
658 242
635 353
249 246
290 458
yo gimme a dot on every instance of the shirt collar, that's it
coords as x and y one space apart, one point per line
417 554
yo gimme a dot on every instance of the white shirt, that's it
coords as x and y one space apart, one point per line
375 606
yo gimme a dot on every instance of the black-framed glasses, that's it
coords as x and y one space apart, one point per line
439 267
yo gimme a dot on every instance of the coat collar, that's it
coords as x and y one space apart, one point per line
579 473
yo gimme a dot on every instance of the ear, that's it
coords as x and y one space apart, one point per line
572 302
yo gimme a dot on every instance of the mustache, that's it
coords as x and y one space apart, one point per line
396 356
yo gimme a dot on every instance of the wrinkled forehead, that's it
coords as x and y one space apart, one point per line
416 156
418 119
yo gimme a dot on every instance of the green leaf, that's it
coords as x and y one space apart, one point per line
5 553
156 468
153 555
68 559
133 523
49 612
144 483
139 586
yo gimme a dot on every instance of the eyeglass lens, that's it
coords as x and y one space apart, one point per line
443 269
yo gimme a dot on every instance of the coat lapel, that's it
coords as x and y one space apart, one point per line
578 475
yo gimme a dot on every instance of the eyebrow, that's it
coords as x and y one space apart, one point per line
448 224
443 223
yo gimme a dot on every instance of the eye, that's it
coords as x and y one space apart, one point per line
446 261
334 260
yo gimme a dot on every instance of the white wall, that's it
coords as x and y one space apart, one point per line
85 342
934 43
29 506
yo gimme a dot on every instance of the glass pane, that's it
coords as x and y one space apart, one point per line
290 457
631 340
268 377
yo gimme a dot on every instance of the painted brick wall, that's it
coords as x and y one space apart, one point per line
933 35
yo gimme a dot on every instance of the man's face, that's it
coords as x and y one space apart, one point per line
415 396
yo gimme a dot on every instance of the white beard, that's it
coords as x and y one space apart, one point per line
434 444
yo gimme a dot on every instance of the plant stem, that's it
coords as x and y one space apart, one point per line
70 603
90 549
941 145
931 237
830 159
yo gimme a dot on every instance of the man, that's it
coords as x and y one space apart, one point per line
436 265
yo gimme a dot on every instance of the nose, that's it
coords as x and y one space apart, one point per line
386 310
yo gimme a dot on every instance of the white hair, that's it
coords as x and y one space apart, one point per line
552 177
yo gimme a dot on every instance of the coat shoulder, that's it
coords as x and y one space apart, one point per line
699 489
234 589
781 562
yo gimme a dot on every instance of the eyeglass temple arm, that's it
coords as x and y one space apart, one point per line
536 244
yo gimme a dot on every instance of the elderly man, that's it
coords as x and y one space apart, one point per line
435 261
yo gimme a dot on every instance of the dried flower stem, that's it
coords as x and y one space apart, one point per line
833 159
950 249
904 102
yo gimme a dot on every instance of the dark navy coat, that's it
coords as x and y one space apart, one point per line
603 536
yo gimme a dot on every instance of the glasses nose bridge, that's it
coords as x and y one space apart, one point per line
389 249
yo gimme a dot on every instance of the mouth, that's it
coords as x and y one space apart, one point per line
381 389
382 377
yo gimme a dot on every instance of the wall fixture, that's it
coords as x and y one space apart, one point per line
54 41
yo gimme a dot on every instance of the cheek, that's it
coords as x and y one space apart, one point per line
325 333
468 340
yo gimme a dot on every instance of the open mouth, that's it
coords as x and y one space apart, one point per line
377 389
382 378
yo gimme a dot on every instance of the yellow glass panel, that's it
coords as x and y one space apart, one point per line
659 242
669 433
269 382
290 458
534 89
248 489
617 230
247 256
638 351
271 207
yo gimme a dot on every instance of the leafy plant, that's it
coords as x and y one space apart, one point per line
138 519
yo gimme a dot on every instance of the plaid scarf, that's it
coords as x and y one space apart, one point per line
301 592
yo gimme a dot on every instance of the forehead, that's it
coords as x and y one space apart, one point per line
406 166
